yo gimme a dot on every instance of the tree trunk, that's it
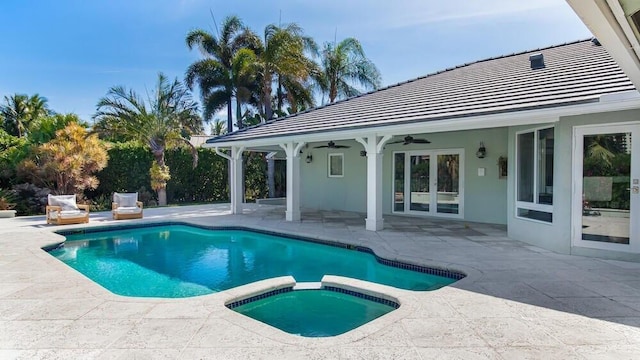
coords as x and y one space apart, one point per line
162 197
158 154
229 116
280 96
239 113
266 98
333 93
271 171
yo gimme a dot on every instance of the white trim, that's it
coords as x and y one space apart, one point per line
618 13
341 156
382 143
515 118
535 205
577 158
219 153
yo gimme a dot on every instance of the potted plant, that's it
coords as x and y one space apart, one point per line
7 203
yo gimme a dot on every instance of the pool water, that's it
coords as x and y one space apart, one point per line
181 261
314 313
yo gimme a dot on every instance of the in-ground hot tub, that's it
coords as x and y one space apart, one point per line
328 311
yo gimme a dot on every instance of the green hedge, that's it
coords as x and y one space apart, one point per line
208 182
128 171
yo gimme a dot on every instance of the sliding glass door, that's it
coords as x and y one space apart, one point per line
428 182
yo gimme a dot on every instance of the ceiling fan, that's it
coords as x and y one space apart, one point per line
411 140
332 145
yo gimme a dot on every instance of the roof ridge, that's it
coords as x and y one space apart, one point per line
403 83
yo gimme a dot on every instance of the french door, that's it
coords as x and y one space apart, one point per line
428 182
606 187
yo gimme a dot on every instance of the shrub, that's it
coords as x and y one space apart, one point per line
30 199
68 162
7 199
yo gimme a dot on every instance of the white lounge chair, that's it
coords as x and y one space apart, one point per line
63 210
126 206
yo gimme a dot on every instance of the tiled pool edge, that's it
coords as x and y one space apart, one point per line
431 270
234 304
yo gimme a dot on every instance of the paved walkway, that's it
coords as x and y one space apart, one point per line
517 302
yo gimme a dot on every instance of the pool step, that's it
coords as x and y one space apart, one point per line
307 286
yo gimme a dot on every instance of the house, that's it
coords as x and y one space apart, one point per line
540 141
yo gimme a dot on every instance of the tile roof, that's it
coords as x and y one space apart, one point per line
574 73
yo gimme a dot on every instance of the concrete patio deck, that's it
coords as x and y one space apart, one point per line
517 302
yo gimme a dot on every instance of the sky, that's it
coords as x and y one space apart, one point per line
73 51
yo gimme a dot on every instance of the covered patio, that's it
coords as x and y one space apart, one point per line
517 300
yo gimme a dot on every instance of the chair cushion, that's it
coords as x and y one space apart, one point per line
66 202
125 199
128 210
66 214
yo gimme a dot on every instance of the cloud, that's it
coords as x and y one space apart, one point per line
409 13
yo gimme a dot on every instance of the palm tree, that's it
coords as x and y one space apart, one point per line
343 66
282 59
167 119
218 128
215 73
20 111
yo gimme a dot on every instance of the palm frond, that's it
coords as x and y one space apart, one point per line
206 43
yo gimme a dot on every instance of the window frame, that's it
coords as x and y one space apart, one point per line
535 205
338 155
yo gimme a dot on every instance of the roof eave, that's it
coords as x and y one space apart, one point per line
606 21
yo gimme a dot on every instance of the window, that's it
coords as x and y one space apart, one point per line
336 165
534 174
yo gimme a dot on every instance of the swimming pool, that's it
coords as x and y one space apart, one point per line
174 261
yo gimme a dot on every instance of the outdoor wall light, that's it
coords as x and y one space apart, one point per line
309 158
482 151
363 153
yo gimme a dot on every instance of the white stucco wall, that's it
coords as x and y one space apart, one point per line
557 236
485 197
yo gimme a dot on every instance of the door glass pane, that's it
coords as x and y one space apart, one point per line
606 171
525 167
398 182
419 183
448 184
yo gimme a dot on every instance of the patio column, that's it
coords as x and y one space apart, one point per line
236 180
373 146
292 150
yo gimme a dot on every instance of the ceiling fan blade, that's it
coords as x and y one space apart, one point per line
321 146
421 141
341 146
